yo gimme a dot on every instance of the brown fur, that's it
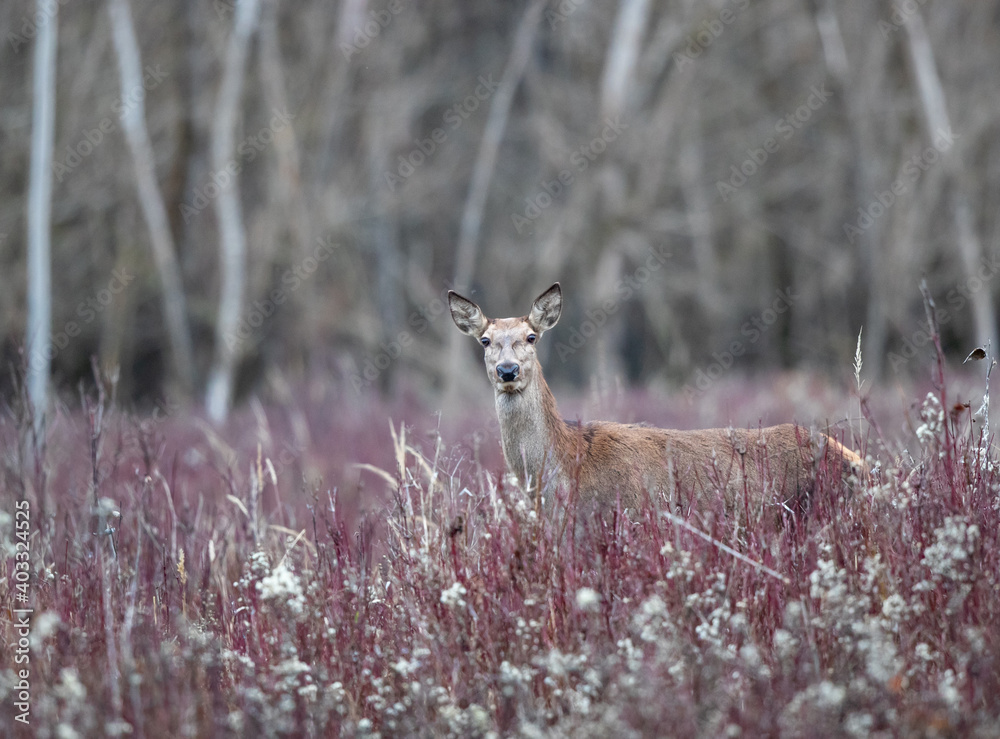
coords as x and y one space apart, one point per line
750 468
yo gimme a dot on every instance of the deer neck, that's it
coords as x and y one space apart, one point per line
532 433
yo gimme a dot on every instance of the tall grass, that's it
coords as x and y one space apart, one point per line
184 585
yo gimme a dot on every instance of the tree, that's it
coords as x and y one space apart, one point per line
39 329
154 211
935 108
486 158
229 214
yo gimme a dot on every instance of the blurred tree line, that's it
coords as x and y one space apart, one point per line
725 185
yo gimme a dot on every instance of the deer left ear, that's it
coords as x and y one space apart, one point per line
546 309
466 315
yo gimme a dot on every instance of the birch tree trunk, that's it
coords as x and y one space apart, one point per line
482 172
935 110
39 328
229 215
154 211
623 54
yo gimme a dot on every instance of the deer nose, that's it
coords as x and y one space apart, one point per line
507 371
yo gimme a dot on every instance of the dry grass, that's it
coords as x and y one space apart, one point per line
222 596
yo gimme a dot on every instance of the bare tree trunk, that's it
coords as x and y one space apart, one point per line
154 210
482 172
699 219
289 179
939 125
876 324
39 328
623 54
350 18
229 214
337 95
663 120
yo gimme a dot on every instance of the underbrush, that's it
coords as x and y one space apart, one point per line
177 589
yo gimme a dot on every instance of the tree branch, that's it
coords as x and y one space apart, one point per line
154 211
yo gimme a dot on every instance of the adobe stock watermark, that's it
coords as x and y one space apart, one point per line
698 42
20 584
452 119
246 151
581 158
263 309
913 169
375 22
902 12
31 24
751 332
957 297
375 363
86 311
785 128
625 289
93 137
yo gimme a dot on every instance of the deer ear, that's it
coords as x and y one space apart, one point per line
467 315
546 309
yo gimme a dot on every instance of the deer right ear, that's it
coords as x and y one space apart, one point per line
546 309
466 315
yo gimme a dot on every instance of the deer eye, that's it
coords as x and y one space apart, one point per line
484 341
531 338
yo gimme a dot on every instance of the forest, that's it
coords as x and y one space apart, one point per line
251 480
294 191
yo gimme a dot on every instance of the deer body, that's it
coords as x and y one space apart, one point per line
609 461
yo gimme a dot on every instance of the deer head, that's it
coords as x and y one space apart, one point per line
509 343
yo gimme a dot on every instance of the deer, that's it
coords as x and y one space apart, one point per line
611 463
